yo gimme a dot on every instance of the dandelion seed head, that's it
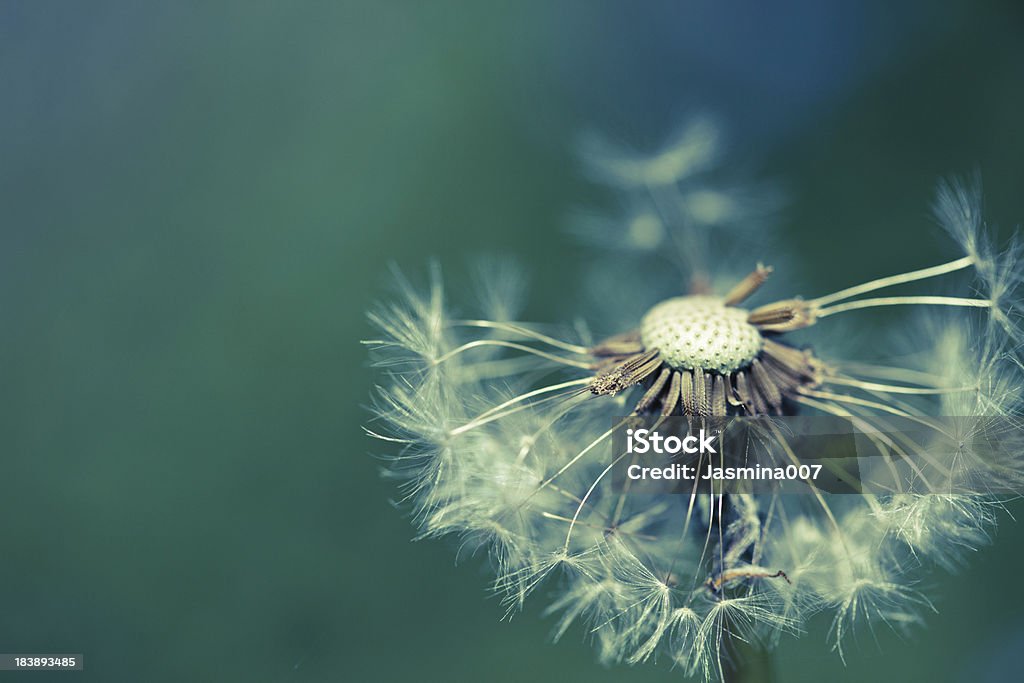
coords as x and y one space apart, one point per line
501 431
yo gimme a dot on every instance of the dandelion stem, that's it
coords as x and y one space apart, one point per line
902 301
899 279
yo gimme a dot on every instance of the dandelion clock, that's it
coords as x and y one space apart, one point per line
502 433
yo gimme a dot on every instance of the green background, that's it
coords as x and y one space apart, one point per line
200 200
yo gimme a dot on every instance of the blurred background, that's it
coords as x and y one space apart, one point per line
200 200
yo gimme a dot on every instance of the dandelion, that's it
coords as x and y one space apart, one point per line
502 429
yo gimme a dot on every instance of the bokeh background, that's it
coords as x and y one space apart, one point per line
200 200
